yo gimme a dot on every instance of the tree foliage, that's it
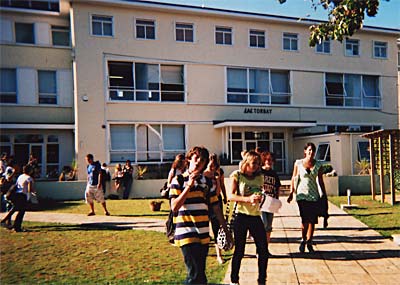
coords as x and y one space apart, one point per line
345 17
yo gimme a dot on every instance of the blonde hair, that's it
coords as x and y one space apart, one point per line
247 158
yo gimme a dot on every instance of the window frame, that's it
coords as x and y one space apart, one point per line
257 38
60 29
16 86
184 29
353 43
287 36
223 35
323 47
102 28
145 25
328 150
385 47
368 158
33 33
47 95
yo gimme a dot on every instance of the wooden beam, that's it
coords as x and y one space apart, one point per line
381 172
391 170
373 165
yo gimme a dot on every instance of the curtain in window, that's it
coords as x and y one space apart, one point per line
47 82
352 85
147 76
280 82
8 80
122 137
171 74
174 137
237 80
371 88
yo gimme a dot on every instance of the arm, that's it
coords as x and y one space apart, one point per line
99 180
223 189
321 183
292 186
177 202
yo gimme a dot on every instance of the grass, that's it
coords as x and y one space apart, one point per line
74 254
382 217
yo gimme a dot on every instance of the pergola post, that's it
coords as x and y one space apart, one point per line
373 166
391 169
381 169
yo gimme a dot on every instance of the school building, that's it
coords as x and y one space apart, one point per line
145 81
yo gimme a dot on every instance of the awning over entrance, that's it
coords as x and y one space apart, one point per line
245 123
38 126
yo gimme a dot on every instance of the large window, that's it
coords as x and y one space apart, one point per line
184 32
145 29
380 49
323 152
352 90
290 42
258 86
24 33
44 5
257 38
223 36
47 87
60 35
102 25
146 142
8 85
130 81
352 47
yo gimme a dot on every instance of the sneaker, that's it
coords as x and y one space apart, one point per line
310 247
302 246
91 214
325 223
107 213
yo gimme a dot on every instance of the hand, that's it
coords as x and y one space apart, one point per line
192 179
254 198
290 198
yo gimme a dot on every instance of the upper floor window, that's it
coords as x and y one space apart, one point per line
24 33
223 36
380 49
290 42
129 81
146 29
184 32
47 87
352 47
257 38
323 152
102 25
44 5
352 90
323 47
8 85
258 86
60 35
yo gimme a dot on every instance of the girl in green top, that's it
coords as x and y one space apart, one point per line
246 191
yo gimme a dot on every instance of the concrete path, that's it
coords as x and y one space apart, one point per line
347 252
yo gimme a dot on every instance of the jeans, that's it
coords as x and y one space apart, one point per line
255 226
195 255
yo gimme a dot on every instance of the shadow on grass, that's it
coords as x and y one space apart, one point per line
52 205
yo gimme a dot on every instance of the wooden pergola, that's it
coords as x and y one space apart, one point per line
385 160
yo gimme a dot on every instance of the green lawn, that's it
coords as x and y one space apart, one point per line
382 217
72 254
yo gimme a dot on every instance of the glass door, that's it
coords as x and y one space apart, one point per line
278 148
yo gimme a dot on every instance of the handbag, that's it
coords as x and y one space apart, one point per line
270 204
222 241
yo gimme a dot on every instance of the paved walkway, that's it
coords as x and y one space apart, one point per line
348 252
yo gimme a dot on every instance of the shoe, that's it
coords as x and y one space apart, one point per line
91 214
325 223
107 213
310 247
302 246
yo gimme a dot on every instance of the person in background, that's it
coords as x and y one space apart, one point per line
191 199
271 187
106 176
306 171
216 174
93 188
178 167
128 178
34 164
3 163
118 176
246 191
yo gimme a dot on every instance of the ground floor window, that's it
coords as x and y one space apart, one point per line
146 142
363 151
323 152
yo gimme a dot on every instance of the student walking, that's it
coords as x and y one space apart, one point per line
93 188
246 189
190 201
306 171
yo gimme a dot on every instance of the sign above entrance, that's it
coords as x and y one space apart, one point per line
257 111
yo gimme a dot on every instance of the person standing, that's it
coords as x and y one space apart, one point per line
93 187
306 171
190 201
128 179
105 177
246 191
177 167
271 187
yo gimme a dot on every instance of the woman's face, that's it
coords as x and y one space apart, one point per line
252 166
268 161
309 153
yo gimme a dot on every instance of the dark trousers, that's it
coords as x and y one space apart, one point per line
255 226
127 187
19 204
195 255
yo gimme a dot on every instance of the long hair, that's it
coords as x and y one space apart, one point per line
179 162
215 160
247 158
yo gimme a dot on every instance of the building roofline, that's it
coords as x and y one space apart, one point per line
226 12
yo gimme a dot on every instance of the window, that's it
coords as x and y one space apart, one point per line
146 143
102 25
290 42
258 86
184 32
323 47
352 90
352 47
323 152
257 39
145 82
47 87
223 36
44 5
380 49
8 85
24 33
60 35
146 29
363 151
52 157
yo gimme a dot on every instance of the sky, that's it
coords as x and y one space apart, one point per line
388 14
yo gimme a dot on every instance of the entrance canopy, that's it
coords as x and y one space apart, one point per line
245 123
